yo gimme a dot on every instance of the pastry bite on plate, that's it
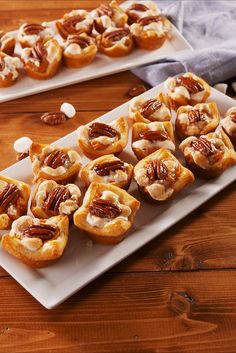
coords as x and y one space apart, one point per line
30 33
138 10
147 110
7 43
51 199
148 138
160 176
151 32
229 124
54 163
75 22
107 213
116 42
187 89
208 155
14 197
9 69
107 169
36 242
108 15
97 139
79 50
197 120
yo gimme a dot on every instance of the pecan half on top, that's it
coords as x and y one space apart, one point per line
8 195
2 64
104 209
233 117
39 51
56 159
115 36
156 170
190 84
99 129
194 116
145 21
33 29
42 231
53 118
104 10
55 197
78 39
150 106
203 146
71 22
154 135
105 168
133 11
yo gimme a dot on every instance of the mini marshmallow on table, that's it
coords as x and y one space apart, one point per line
68 109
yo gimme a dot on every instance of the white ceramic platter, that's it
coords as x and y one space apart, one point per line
82 261
102 66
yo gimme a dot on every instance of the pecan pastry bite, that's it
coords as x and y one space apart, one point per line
187 89
42 61
7 43
116 42
208 155
30 33
108 15
37 243
151 32
97 139
229 124
108 169
9 69
198 120
107 213
79 50
14 196
138 10
147 110
160 176
75 22
51 199
54 163
148 138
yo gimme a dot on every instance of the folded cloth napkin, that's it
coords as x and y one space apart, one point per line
210 27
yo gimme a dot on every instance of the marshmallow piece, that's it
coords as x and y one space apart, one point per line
233 85
68 110
222 87
22 145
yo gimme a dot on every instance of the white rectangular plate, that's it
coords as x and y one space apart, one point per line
101 66
82 262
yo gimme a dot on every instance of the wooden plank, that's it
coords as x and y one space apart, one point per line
171 312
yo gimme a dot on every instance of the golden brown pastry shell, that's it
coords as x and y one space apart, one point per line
83 59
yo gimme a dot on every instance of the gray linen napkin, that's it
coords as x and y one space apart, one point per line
210 27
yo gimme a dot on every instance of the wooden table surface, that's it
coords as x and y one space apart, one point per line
177 294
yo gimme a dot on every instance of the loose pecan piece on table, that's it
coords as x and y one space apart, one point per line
150 106
104 169
194 116
190 84
33 28
42 231
136 91
104 209
99 129
154 135
53 118
203 146
55 197
56 159
8 195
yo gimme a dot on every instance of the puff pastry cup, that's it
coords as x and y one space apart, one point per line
107 213
79 50
37 243
108 15
150 109
14 197
229 125
42 61
107 169
139 10
197 120
160 176
51 199
54 163
187 89
75 22
30 33
147 138
151 32
7 43
116 42
97 139
208 155
9 69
